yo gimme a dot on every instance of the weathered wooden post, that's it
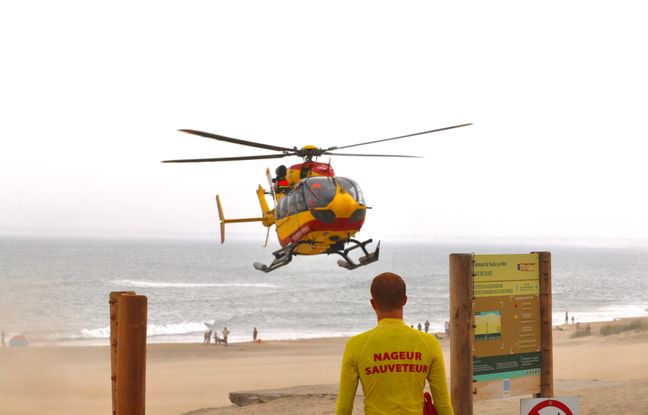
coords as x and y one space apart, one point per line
113 301
461 333
131 355
546 341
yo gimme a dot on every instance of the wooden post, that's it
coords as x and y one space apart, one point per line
546 334
113 301
131 355
461 333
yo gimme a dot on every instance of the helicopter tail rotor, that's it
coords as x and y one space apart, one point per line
271 187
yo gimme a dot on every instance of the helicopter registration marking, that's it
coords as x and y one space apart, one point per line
301 232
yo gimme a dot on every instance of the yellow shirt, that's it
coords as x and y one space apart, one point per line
392 361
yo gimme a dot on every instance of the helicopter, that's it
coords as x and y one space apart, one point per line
315 211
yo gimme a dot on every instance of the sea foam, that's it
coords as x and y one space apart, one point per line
164 284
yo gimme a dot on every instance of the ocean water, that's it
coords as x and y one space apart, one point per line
55 289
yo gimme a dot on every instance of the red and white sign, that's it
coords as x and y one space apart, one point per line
549 406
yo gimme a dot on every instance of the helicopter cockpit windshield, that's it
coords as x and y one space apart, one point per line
313 192
318 191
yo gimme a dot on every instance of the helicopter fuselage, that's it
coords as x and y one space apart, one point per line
320 210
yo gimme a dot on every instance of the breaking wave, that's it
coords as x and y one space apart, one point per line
151 330
163 284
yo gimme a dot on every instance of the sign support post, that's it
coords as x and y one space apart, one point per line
461 333
546 341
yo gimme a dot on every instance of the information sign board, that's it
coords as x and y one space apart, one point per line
506 312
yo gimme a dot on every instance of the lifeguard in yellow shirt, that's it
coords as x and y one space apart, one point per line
392 360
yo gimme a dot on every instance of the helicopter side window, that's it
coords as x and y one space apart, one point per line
292 203
299 199
282 207
319 191
352 188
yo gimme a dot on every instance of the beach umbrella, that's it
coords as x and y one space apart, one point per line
18 340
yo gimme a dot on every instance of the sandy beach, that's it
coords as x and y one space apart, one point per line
609 374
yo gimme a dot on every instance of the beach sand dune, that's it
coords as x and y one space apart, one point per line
609 374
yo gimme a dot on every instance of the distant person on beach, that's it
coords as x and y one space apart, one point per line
255 333
447 329
207 337
566 317
572 319
225 334
427 326
419 327
392 361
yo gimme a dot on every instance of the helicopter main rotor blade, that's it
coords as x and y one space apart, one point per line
396 138
269 156
370 155
236 140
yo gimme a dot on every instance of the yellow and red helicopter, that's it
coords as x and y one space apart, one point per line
316 212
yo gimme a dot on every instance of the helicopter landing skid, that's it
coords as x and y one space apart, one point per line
282 256
364 260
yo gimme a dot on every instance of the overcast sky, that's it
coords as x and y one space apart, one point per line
92 93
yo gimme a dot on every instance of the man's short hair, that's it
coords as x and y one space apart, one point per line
388 291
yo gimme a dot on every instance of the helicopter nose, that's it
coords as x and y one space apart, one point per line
344 205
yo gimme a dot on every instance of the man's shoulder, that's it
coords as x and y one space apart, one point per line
360 337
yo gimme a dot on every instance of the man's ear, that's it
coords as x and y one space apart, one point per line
373 304
405 300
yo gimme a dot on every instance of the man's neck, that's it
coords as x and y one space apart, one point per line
398 313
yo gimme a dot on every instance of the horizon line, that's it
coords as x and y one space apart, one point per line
245 236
